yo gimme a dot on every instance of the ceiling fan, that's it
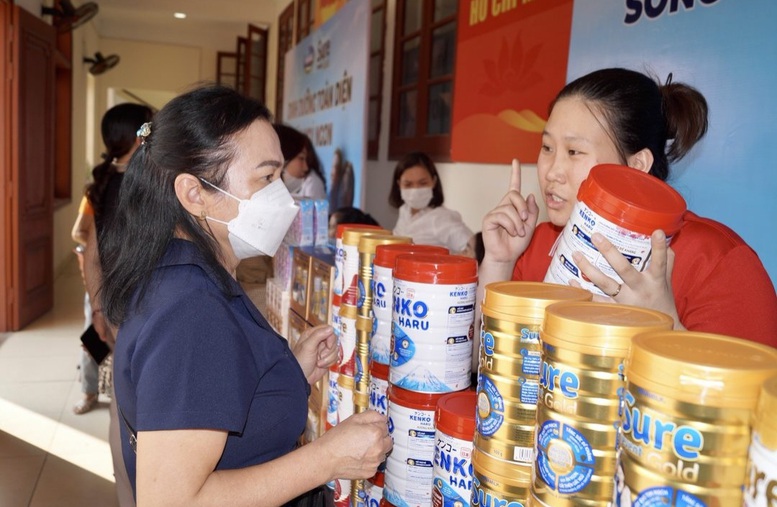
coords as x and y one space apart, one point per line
101 63
67 17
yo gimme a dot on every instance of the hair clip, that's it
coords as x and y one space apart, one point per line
143 132
668 80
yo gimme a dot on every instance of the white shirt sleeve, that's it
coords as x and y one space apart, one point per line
313 187
434 226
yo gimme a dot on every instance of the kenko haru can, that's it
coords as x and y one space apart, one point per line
337 289
434 310
688 408
379 387
499 483
347 338
584 346
383 293
367 246
624 205
509 365
410 466
351 239
455 428
761 484
333 396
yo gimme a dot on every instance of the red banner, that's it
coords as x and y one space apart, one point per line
511 61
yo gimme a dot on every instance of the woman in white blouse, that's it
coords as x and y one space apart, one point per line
417 192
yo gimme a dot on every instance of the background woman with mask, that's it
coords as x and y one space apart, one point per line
417 192
214 399
300 177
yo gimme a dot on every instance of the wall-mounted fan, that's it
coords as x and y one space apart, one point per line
67 17
101 63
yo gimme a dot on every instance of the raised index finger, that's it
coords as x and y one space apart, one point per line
515 176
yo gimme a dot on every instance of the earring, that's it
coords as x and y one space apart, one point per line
203 215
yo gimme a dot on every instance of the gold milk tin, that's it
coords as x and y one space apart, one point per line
761 483
584 346
498 483
688 406
367 245
509 365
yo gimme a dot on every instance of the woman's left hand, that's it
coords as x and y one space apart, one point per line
651 288
316 350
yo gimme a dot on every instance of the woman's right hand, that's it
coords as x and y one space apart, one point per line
508 228
356 446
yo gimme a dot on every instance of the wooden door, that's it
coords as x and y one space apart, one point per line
28 178
255 63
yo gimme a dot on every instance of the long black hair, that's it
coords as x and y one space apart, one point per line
119 127
640 112
192 134
293 142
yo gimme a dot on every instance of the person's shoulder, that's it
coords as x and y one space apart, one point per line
184 270
713 234
445 213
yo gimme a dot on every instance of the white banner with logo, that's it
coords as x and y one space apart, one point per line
325 95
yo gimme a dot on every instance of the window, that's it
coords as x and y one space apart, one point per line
422 91
306 18
285 43
226 69
377 50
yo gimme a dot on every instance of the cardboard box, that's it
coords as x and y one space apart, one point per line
300 282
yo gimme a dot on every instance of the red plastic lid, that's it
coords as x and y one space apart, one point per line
377 480
455 415
633 199
440 269
412 399
386 255
379 370
336 299
348 369
342 227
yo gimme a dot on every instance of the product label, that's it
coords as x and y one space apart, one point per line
339 256
453 470
410 466
659 443
576 237
334 400
761 485
490 412
378 400
382 307
483 497
350 270
565 459
433 331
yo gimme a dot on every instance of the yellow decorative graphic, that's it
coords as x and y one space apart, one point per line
524 120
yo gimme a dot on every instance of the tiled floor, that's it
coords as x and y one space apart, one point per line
50 457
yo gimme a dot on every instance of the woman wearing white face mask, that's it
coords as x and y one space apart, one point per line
211 400
417 192
302 178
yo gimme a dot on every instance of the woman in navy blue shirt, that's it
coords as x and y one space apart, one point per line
212 400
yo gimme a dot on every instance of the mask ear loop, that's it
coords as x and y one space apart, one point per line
204 215
220 190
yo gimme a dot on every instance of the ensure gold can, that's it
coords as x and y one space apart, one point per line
584 346
687 414
761 483
509 365
498 483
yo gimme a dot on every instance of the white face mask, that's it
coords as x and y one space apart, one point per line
261 222
293 184
417 198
